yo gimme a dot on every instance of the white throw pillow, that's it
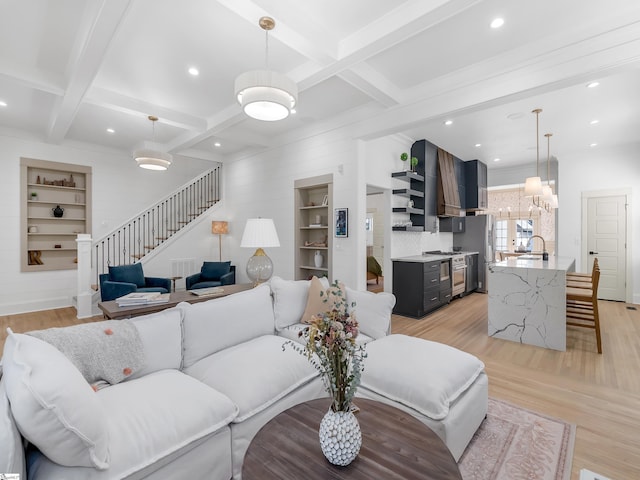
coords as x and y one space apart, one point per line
161 336
53 405
290 300
372 311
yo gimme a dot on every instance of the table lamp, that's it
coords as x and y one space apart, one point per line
219 227
259 233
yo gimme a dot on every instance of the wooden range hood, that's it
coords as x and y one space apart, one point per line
448 195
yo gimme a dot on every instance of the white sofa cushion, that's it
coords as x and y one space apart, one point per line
156 415
217 324
11 448
290 299
372 311
161 336
254 374
425 376
156 420
53 405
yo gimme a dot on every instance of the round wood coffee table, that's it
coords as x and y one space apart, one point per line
395 445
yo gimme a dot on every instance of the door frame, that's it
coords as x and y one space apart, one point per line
584 256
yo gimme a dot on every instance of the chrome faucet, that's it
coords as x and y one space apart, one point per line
545 255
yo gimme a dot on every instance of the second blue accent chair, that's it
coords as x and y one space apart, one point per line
212 274
125 279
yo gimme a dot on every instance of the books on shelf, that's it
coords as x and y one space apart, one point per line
200 292
142 298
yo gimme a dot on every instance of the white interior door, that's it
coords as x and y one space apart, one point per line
606 236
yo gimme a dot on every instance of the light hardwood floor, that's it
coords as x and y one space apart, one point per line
599 393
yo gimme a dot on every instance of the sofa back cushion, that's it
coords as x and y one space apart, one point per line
290 300
214 270
372 311
12 450
53 405
220 323
128 274
161 337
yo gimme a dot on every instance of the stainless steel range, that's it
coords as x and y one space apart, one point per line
458 274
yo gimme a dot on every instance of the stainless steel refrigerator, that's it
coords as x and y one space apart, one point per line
478 236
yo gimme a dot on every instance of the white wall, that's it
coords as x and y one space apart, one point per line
120 190
601 169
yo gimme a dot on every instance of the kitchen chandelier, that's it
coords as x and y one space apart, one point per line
533 185
152 159
264 94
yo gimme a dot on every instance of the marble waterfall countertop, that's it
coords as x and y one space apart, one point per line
527 300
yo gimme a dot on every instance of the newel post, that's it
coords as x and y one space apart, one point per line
85 293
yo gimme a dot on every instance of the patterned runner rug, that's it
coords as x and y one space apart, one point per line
514 443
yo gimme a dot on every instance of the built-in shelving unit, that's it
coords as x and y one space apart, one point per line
313 223
48 242
414 193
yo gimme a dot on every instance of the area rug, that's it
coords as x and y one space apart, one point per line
514 443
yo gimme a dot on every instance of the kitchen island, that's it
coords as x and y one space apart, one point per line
527 300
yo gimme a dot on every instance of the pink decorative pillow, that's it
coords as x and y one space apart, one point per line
323 300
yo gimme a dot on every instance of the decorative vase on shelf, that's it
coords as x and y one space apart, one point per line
340 437
57 211
318 259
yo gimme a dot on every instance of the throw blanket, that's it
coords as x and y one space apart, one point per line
373 266
103 351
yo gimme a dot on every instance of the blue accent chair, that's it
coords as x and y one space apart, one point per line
212 274
125 279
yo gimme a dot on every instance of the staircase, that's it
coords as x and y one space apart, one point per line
140 235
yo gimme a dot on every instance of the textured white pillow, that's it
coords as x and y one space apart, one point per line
53 405
372 311
290 300
161 336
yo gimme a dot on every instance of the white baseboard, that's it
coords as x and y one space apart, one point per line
589 475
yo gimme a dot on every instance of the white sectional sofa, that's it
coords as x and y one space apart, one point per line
189 387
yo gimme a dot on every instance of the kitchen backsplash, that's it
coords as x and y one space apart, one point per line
405 244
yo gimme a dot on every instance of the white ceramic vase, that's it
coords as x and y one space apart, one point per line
340 437
318 259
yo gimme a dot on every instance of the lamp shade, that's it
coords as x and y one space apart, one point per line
266 95
152 159
219 227
533 186
260 233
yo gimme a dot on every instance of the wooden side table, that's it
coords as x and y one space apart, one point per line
173 283
395 445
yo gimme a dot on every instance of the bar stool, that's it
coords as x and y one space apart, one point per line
582 303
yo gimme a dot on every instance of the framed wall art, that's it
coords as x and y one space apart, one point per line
342 222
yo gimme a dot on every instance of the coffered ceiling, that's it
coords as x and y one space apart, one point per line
71 69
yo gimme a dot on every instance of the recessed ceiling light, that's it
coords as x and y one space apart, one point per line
497 22
194 71
593 122
593 144
496 159
448 122
478 145
593 84
217 144
293 111
110 130
3 103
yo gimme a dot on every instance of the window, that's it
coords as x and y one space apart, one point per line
511 233
524 231
502 235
